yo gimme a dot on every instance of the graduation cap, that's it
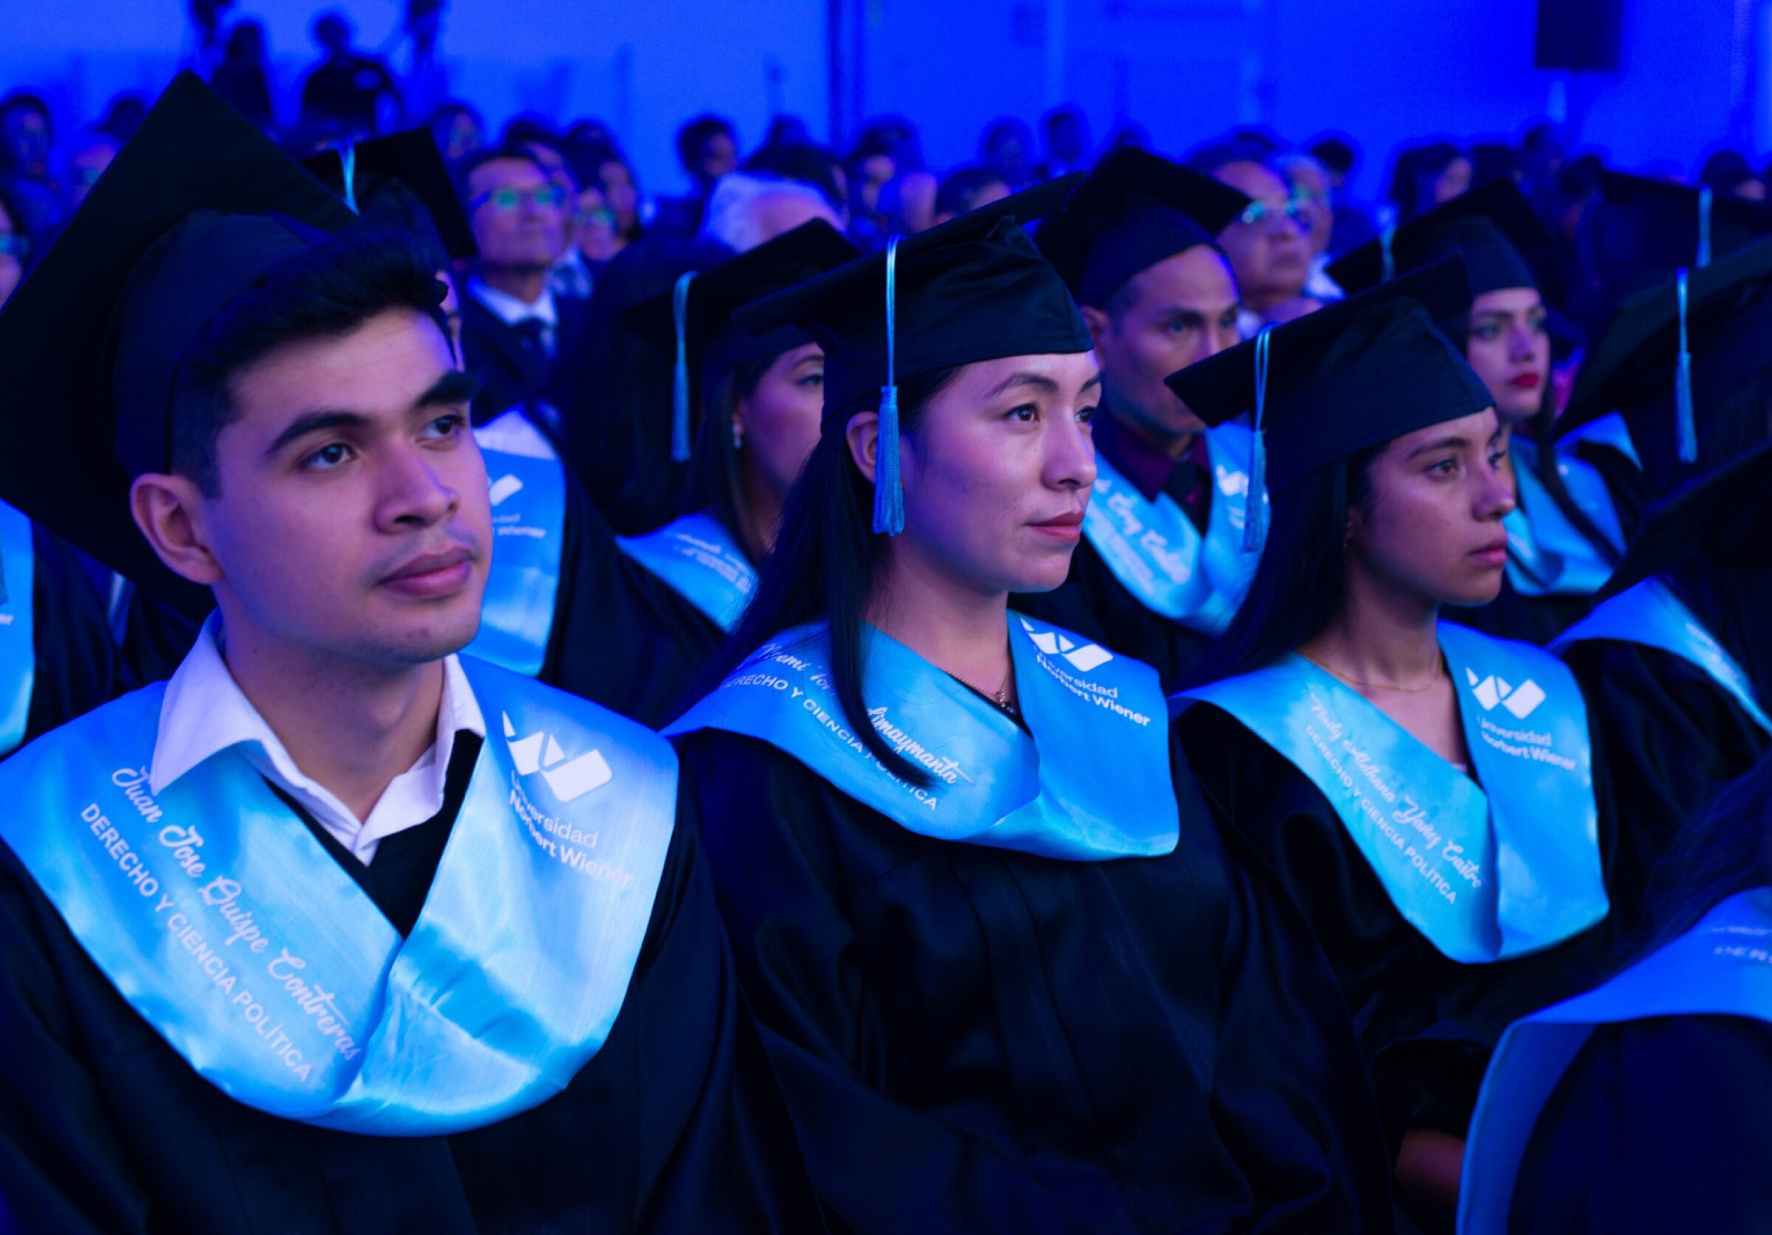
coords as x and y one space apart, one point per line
1725 517
179 225
971 289
1643 230
1493 226
371 175
1691 342
695 321
1133 211
1352 375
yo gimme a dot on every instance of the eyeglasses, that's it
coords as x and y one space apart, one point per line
549 196
1296 209
600 215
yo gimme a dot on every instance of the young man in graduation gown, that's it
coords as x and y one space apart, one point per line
1161 566
336 930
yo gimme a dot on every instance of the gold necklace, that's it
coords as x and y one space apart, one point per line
1439 672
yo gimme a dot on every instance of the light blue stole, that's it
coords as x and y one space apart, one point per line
523 582
1092 783
1546 554
1157 554
701 562
1609 430
1650 614
18 627
229 928
1484 873
1723 967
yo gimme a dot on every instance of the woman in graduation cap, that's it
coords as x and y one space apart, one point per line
1565 534
761 398
1641 1105
337 930
1160 568
1677 655
1429 795
1007 974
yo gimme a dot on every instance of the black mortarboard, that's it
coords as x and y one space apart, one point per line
974 288
179 225
1493 226
694 319
1679 351
1643 229
1725 517
1133 211
364 174
1352 375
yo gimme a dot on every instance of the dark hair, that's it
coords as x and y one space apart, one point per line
1726 850
1414 174
825 562
802 162
529 127
1491 161
1335 153
325 291
695 134
1301 581
1210 158
955 193
474 160
716 477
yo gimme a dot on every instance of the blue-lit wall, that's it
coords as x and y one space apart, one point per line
1383 70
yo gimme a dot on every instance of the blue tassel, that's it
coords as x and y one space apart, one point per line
347 159
1254 500
1704 202
680 447
888 484
1385 238
1685 423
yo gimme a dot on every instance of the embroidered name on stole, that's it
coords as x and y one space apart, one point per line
1484 876
1157 554
1092 783
229 928
701 562
1651 615
1722 967
1547 554
18 628
523 582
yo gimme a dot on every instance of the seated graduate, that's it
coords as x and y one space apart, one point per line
1007 974
1677 656
1641 1106
1565 534
1427 794
1161 566
336 926
761 398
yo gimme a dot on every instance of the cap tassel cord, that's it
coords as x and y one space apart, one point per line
1705 195
347 159
1385 238
680 449
1255 499
888 484
1685 422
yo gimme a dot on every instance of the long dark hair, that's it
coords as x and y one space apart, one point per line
716 474
1302 579
824 564
1726 850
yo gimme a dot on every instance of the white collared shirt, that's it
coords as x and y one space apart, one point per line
510 310
205 712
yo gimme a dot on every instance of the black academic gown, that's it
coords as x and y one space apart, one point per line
1659 1127
1093 602
977 1039
674 1125
1426 1022
78 666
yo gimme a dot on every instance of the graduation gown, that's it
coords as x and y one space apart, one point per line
982 1039
78 666
1093 602
1426 1021
1660 1126
674 1125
